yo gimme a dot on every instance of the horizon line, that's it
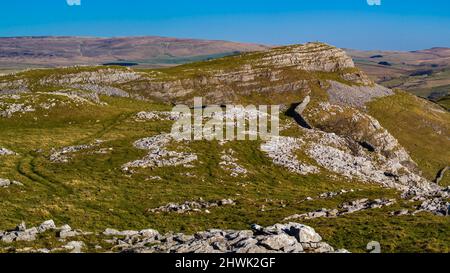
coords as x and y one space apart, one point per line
205 39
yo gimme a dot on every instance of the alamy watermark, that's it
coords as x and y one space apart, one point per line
374 2
374 247
231 122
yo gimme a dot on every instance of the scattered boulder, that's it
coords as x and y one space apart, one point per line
47 225
328 195
74 246
22 233
66 231
4 151
4 183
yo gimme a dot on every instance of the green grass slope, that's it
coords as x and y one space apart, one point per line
92 193
422 127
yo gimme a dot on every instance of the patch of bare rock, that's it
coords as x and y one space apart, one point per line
436 202
282 152
64 154
230 164
9 109
157 115
102 76
279 238
159 155
346 208
4 183
355 96
192 206
4 151
19 104
14 87
328 195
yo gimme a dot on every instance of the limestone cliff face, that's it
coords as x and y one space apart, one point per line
277 76
309 57
274 76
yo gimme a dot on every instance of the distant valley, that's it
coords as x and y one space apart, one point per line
425 73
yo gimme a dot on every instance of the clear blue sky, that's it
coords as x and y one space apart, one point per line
395 24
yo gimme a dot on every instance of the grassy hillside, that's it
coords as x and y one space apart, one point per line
421 127
445 102
92 192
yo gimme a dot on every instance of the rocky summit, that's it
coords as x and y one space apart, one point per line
93 148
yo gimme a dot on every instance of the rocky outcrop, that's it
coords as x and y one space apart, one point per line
346 208
280 238
309 57
352 143
22 233
192 206
101 90
437 205
436 202
107 76
274 75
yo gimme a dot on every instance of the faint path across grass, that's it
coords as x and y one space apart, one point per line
27 166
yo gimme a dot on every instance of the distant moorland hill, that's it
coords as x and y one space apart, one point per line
16 52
